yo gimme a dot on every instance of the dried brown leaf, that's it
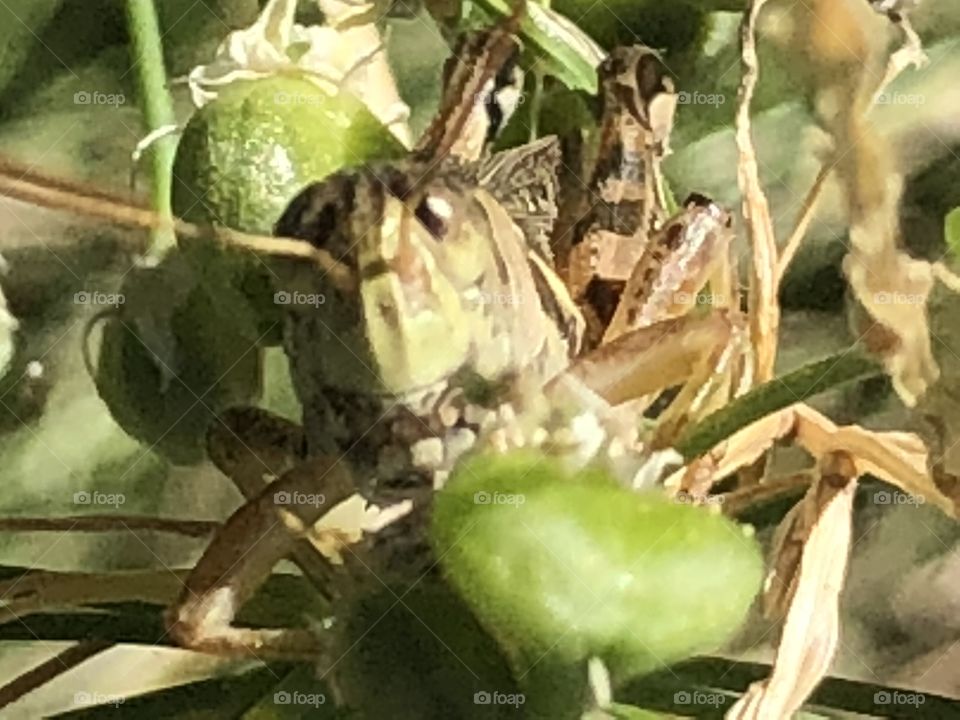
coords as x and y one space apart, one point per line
811 564
898 458
764 307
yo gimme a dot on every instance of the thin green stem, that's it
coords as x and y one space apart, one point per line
777 394
156 106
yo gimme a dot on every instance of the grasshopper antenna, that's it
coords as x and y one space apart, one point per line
27 185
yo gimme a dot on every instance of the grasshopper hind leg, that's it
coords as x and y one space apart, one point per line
265 456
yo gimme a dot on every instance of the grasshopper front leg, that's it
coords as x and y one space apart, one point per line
691 351
241 557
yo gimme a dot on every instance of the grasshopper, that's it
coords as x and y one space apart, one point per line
447 328
455 288
631 265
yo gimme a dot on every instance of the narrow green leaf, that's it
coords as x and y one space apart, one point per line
567 52
811 379
951 229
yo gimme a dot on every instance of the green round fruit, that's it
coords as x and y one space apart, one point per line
244 156
579 566
168 362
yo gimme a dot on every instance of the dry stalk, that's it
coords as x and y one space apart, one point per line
764 308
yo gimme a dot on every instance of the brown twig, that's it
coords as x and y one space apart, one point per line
806 216
109 523
740 500
46 591
27 185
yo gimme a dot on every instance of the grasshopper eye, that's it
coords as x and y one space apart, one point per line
434 213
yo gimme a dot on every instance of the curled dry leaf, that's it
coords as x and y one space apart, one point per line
892 287
900 459
809 567
346 53
843 48
894 290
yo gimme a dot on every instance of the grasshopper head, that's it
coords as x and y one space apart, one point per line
420 255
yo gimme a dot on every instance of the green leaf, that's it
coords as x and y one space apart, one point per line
21 24
951 229
797 386
568 53
629 712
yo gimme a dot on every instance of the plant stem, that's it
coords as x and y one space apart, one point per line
777 394
156 107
